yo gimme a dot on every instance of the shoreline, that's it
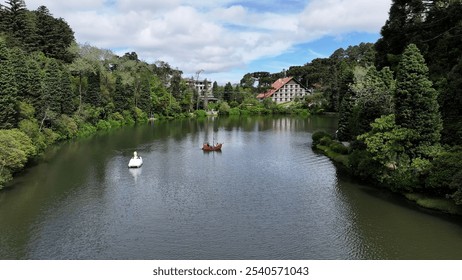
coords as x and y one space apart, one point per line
438 204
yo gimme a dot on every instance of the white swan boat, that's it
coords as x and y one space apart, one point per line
136 161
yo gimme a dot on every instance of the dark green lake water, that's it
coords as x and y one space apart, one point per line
267 195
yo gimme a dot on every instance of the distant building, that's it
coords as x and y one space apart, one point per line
285 90
204 88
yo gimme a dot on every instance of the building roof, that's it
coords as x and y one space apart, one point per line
275 87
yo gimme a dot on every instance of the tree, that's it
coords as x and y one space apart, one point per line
52 93
400 29
8 90
144 101
16 149
388 143
67 99
121 98
416 103
228 92
54 35
451 103
19 25
93 94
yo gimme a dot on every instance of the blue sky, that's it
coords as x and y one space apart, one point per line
225 38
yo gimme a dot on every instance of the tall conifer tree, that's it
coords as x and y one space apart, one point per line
52 97
416 101
8 90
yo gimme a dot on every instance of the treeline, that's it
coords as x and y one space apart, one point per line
403 113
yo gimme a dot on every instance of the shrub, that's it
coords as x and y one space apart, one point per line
318 135
31 128
66 127
85 130
224 108
128 117
363 165
200 113
326 141
103 125
443 173
16 149
140 116
338 148
234 112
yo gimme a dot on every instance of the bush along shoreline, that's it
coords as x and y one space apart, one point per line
361 165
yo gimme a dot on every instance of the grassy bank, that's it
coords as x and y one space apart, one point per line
435 203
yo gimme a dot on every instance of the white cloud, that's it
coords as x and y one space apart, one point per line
216 36
337 16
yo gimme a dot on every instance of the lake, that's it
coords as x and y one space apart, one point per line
267 195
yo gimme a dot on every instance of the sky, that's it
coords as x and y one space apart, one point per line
224 38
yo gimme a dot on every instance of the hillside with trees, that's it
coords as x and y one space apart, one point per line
53 89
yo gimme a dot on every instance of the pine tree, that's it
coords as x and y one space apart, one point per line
451 101
144 102
93 94
399 30
54 35
20 25
20 73
52 93
34 89
67 96
416 106
228 92
8 90
121 97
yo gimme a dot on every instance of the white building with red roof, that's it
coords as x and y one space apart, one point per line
285 90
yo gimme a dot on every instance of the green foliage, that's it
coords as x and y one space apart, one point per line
451 104
318 135
369 97
116 120
16 149
32 130
93 94
234 112
224 108
53 94
416 103
444 177
363 165
66 127
85 130
339 148
8 90
128 118
435 27
140 116
103 125
436 203
200 113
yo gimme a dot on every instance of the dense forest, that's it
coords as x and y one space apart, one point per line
399 100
